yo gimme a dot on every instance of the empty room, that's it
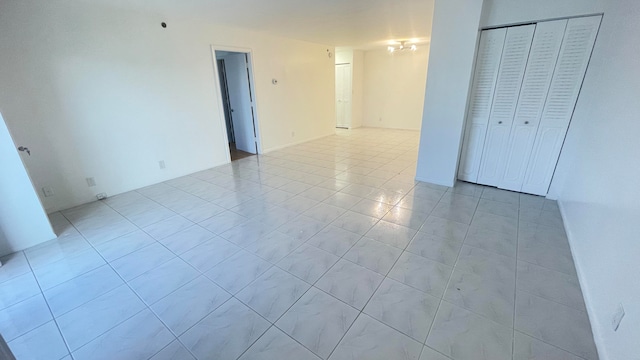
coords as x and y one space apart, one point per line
392 180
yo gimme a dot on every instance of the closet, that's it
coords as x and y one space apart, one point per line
526 82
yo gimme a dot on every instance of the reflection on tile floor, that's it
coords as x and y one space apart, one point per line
327 250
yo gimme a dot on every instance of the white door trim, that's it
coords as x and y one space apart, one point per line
252 88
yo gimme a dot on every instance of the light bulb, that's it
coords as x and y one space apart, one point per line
413 47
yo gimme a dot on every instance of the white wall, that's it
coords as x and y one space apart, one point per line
23 222
452 51
596 182
102 92
357 100
394 86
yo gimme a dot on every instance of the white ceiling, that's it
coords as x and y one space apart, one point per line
363 24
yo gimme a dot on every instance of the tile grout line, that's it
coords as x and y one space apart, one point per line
321 276
553 301
55 321
332 296
453 268
515 295
147 307
367 302
515 286
440 299
234 296
272 265
373 294
124 283
313 286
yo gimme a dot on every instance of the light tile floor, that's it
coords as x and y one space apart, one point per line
327 249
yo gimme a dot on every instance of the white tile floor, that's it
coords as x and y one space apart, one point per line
323 250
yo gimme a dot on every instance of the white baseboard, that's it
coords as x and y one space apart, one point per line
597 338
423 179
92 198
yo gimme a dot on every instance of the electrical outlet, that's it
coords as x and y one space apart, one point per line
161 164
380 119
47 191
617 317
91 181
101 196
293 134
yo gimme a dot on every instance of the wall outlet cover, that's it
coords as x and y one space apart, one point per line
617 317
47 191
161 164
91 181
101 196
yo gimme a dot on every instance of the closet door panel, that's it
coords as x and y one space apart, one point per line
495 143
542 60
575 53
544 155
520 136
512 66
482 91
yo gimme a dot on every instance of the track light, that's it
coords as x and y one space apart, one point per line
403 46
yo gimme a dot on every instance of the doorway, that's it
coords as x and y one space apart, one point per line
238 102
343 96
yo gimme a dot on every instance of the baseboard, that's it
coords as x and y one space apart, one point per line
92 198
597 339
431 181
388 128
295 143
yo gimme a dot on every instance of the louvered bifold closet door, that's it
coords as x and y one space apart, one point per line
535 86
563 94
512 65
484 81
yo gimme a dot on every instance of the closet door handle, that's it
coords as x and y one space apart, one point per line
499 122
526 122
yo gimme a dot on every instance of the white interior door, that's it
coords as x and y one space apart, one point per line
23 221
343 95
512 65
482 92
535 86
241 103
575 53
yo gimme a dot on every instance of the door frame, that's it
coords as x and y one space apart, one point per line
252 89
228 118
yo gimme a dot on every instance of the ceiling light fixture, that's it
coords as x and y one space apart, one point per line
403 46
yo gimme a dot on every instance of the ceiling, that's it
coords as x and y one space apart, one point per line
362 24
